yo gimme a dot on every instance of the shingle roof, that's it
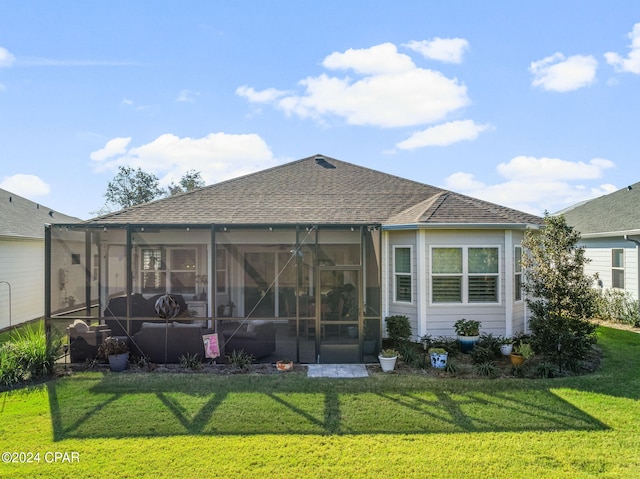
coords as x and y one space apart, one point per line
318 190
20 217
616 212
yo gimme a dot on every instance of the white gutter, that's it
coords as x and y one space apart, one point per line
460 226
608 234
628 238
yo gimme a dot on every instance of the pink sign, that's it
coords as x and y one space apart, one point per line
211 346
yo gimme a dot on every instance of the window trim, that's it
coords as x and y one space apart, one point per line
465 275
618 268
396 274
518 272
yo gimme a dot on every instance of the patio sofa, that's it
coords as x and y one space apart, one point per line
180 338
116 312
255 337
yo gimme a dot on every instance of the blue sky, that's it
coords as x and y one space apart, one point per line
533 105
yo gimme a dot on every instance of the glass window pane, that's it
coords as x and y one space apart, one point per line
617 276
518 259
483 260
447 260
447 289
403 260
403 288
183 282
483 289
518 287
183 259
617 258
155 282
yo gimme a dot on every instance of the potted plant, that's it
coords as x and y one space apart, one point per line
387 358
438 357
117 353
468 331
521 353
284 365
506 346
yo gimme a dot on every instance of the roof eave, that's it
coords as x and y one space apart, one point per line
458 226
610 234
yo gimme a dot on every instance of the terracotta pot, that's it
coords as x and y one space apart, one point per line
284 366
516 359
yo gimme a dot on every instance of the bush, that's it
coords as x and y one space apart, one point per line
398 329
483 354
189 361
617 305
487 369
409 354
28 356
240 359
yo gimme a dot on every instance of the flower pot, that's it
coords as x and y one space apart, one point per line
387 364
516 359
284 365
506 349
118 362
439 360
467 343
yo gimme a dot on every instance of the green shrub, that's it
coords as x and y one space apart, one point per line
190 361
487 369
482 354
240 359
28 356
617 305
546 370
409 354
398 329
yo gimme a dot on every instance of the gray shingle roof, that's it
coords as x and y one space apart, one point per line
318 190
616 212
20 217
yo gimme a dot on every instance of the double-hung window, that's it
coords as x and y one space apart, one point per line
168 270
617 268
465 275
402 274
517 284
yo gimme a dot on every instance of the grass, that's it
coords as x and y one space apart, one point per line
288 426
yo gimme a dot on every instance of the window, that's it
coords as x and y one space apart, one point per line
465 275
172 270
517 289
402 272
221 270
617 268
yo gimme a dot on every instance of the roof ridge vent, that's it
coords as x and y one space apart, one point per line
321 161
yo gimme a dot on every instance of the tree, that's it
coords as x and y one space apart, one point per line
132 187
561 296
191 180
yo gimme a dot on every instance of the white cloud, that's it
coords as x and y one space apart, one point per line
537 184
217 156
444 134
630 64
187 96
6 58
29 186
114 147
265 96
380 59
562 74
448 50
392 92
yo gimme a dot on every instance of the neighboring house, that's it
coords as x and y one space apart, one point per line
610 230
321 249
22 256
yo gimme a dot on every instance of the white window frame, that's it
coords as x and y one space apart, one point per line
222 268
517 273
409 274
465 276
168 269
618 268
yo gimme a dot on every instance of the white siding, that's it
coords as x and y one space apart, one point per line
437 319
22 265
599 252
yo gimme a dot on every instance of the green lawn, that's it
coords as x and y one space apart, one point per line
288 426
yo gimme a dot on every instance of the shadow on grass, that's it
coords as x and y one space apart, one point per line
95 405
